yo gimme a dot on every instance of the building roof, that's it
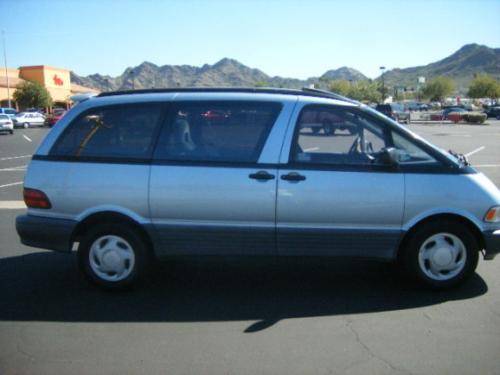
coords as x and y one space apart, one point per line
13 82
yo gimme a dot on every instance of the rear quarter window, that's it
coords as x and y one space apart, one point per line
124 131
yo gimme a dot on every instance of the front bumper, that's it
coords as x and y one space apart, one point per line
492 243
45 233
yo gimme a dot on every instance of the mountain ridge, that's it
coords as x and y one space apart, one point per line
461 66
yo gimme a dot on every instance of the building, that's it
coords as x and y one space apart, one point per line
56 80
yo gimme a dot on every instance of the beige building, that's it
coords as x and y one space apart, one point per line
56 80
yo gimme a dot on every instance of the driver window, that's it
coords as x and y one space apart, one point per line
337 135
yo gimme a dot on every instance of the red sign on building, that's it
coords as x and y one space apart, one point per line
58 81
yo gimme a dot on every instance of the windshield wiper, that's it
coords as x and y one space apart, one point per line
460 157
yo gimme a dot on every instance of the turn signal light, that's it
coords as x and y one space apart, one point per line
493 215
36 199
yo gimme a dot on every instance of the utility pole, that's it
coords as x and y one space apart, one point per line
382 68
6 73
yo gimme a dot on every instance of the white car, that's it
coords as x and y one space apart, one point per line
6 124
27 119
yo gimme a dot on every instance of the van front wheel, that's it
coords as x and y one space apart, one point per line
441 254
112 256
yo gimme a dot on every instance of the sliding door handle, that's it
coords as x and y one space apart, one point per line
293 176
261 175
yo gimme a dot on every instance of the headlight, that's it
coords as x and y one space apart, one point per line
493 215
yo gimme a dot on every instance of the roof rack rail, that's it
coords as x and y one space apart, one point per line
262 90
329 94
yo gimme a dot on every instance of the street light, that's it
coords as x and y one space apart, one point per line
382 68
6 73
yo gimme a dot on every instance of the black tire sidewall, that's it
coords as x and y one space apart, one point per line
124 231
421 234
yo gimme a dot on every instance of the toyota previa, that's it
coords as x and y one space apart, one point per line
127 178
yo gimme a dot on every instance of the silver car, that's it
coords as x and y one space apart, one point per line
129 177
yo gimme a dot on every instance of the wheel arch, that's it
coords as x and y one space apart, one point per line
476 232
110 217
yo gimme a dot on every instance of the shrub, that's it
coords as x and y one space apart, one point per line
474 117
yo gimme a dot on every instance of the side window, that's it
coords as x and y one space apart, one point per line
217 131
409 153
114 132
337 136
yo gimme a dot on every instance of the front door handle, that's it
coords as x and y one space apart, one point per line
261 175
293 176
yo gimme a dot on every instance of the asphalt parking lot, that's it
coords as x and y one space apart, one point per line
223 317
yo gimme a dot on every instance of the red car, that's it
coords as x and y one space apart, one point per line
214 115
56 116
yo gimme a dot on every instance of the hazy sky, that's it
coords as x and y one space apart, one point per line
289 38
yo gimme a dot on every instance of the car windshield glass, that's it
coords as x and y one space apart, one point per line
21 114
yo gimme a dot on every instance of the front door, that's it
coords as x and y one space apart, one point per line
335 197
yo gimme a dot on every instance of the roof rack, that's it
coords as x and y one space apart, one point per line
262 90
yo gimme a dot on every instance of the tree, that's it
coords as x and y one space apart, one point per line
341 87
438 88
366 91
261 84
484 86
30 94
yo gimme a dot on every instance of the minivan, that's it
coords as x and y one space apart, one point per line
130 177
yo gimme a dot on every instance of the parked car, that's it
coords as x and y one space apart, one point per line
395 111
493 112
28 119
6 124
11 112
52 119
127 179
449 110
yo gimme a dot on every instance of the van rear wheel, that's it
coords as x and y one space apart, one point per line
441 254
112 256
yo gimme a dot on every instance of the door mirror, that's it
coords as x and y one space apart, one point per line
389 156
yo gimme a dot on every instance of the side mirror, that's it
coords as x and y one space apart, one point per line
389 156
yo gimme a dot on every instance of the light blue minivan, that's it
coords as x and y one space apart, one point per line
129 177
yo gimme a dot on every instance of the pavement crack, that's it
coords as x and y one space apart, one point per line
24 353
370 352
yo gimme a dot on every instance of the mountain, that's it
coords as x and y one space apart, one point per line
224 73
460 66
344 73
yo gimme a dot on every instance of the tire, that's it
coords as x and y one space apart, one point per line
11 131
26 125
315 130
440 254
113 256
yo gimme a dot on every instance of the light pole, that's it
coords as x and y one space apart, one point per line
382 69
6 73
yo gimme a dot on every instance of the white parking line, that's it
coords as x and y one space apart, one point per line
19 168
487 165
27 138
474 151
13 184
12 205
311 149
15 157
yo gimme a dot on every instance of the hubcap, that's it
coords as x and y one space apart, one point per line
442 256
111 258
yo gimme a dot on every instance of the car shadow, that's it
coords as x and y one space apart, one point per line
47 287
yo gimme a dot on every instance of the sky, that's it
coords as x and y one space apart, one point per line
296 39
